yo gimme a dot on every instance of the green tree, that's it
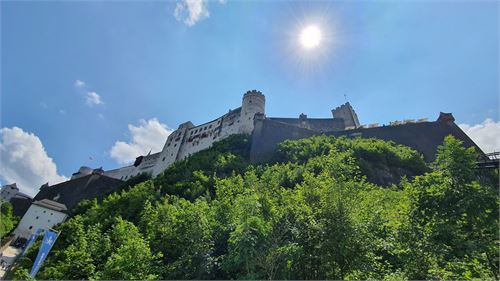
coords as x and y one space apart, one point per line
132 258
7 220
454 218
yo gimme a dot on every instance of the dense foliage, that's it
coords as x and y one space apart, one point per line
7 219
313 213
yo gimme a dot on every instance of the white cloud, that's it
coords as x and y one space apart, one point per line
486 134
149 135
92 98
191 11
25 161
79 84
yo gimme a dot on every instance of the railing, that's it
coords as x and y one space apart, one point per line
492 160
493 155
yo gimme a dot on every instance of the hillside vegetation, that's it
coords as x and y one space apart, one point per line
325 208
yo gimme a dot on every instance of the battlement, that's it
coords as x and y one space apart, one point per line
253 92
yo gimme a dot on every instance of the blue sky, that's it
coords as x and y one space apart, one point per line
142 60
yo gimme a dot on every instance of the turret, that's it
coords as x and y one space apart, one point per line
83 171
253 102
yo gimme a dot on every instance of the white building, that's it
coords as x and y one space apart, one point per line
189 139
8 191
43 214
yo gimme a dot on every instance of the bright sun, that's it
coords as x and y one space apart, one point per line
310 37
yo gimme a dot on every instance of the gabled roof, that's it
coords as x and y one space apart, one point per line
52 205
71 192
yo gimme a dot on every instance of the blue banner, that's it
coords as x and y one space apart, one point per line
31 240
48 240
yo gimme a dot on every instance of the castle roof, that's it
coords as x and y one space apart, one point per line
52 205
71 192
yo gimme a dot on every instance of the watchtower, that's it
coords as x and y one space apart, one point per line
347 113
253 102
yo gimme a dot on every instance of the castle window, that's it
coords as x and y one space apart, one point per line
175 145
210 126
171 154
30 227
48 220
36 217
163 159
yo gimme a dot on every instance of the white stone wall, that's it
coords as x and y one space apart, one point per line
189 139
38 217
200 137
7 192
123 173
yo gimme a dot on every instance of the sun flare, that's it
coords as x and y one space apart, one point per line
310 37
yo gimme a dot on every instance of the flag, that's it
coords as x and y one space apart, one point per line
31 240
49 238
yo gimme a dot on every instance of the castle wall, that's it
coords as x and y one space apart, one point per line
171 149
424 137
201 137
123 173
189 139
315 124
268 133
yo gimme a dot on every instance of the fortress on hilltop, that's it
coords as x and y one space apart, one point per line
250 118
267 132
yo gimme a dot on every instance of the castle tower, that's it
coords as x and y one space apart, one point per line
347 113
253 102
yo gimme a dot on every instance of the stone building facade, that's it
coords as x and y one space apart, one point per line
43 214
189 139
